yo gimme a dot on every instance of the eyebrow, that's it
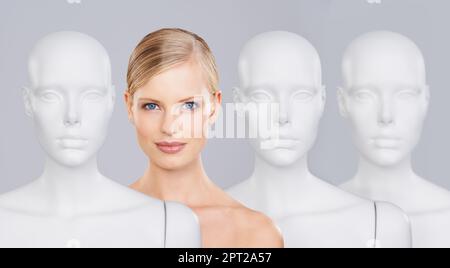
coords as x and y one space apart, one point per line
304 87
61 88
156 101
375 88
360 87
273 88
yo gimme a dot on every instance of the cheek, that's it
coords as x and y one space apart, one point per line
95 118
306 119
146 124
47 122
48 112
197 145
411 116
363 117
192 125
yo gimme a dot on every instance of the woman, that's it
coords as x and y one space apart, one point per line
172 98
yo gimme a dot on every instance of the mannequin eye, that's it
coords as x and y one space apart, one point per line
50 96
260 96
363 95
407 94
93 96
303 95
150 107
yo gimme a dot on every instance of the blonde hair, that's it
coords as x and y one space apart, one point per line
166 48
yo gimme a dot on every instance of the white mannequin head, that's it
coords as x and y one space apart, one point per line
283 68
70 98
385 96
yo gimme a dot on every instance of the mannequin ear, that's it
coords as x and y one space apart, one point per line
323 94
113 93
129 104
238 99
427 93
27 100
237 95
342 102
113 96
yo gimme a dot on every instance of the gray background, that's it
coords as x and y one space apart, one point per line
226 25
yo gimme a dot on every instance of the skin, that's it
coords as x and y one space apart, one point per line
180 177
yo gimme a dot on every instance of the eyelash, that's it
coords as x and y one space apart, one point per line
145 106
192 104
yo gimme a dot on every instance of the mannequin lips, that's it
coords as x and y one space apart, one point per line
281 143
384 142
170 147
71 142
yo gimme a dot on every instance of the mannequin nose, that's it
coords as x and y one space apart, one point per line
72 115
386 116
284 114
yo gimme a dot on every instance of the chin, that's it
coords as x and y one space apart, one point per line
73 160
172 163
169 161
386 158
281 157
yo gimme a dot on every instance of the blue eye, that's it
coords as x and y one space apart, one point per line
190 105
151 106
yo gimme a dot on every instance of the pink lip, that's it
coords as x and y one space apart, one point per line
170 147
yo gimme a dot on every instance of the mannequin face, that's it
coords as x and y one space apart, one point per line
281 69
385 99
172 113
70 103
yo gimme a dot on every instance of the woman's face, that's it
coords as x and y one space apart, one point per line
172 114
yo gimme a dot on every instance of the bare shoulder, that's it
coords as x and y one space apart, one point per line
256 229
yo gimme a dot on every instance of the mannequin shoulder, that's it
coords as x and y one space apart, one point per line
258 230
24 199
183 227
392 214
394 226
438 197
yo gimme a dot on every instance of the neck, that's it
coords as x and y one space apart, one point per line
69 188
188 185
375 176
280 191
278 177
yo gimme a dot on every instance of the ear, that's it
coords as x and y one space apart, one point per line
342 102
216 108
129 104
27 100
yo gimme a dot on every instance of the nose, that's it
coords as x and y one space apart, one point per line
168 124
284 112
72 114
386 113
